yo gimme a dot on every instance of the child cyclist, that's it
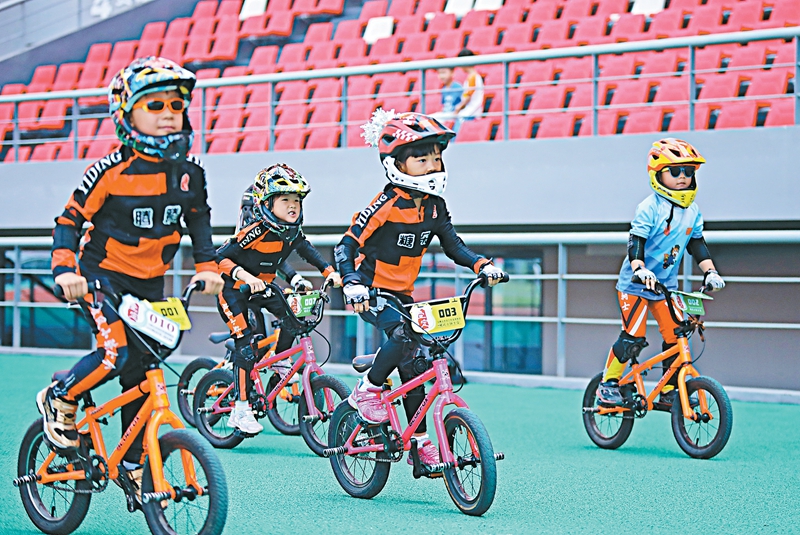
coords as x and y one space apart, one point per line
253 257
667 224
134 199
392 235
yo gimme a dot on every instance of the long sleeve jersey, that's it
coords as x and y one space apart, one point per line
262 253
392 235
135 204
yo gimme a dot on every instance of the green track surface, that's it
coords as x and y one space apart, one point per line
554 480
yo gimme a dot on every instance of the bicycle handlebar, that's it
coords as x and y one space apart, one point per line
661 289
274 289
481 280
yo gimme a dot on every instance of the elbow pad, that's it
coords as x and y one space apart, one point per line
636 247
698 249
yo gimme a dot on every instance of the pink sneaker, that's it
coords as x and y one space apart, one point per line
428 453
367 401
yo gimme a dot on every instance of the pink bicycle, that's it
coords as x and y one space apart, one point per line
361 453
214 394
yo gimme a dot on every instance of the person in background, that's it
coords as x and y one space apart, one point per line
451 94
471 104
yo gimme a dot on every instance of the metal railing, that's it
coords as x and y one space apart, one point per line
562 277
692 44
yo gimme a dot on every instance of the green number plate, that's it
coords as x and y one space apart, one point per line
302 304
690 302
437 316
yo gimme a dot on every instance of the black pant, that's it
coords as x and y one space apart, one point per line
397 352
116 355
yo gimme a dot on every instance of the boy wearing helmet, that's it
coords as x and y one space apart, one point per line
666 224
392 234
253 257
134 200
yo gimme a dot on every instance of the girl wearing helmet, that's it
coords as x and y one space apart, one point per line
254 256
390 236
666 224
136 200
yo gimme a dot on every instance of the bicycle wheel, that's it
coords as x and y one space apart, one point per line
51 509
188 382
214 427
361 476
284 411
704 437
203 514
316 433
472 482
609 431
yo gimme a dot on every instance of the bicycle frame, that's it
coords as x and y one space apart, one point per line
682 366
441 393
154 413
307 357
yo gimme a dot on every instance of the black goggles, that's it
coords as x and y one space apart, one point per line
687 170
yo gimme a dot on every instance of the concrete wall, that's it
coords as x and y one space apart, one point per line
750 178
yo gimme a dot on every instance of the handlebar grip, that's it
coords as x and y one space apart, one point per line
244 288
200 286
58 291
505 278
635 278
373 293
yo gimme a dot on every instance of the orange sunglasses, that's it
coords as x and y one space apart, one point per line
157 105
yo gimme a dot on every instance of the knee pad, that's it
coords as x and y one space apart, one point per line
398 334
628 347
244 358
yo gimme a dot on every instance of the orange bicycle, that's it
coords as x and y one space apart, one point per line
702 417
183 487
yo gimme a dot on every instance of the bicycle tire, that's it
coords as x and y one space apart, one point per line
460 481
283 413
316 434
209 510
359 477
214 427
186 401
609 431
690 434
32 453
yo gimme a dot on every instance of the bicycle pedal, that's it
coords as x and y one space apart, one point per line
240 433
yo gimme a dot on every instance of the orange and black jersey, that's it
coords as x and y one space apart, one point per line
262 253
392 235
135 204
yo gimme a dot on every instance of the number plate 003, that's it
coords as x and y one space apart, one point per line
437 316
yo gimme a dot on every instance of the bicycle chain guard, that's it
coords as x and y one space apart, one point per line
639 405
259 405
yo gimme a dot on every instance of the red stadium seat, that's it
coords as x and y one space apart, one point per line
292 139
772 82
448 45
229 8
205 8
254 142
227 25
786 13
521 126
178 28
53 115
554 34
151 47
352 52
279 6
474 19
121 56
629 27
325 113
622 65
554 125
717 86
627 91
441 22
223 144
642 120
706 20
483 40
781 112
173 48
409 24
611 7
574 69
153 31
42 79
319 32
45 152
328 90
519 37
99 148
225 47
264 59
576 9
360 111
349 29
99 53
330 7
741 114
324 138
664 62
548 97
430 6
752 55
401 8
321 55
24 154
668 23
384 51
480 130
745 16
280 24
417 47
373 8
540 12
592 31
673 89
254 26
508 15
67 76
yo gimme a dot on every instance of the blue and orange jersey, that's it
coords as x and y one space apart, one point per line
136 206
387 240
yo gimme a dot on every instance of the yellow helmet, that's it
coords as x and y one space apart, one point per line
667 152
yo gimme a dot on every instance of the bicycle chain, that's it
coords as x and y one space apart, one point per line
95 489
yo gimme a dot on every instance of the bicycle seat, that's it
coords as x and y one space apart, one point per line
217 338
230 345
60 375
363 362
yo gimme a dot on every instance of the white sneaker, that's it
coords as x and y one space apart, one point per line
242 419
282 367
